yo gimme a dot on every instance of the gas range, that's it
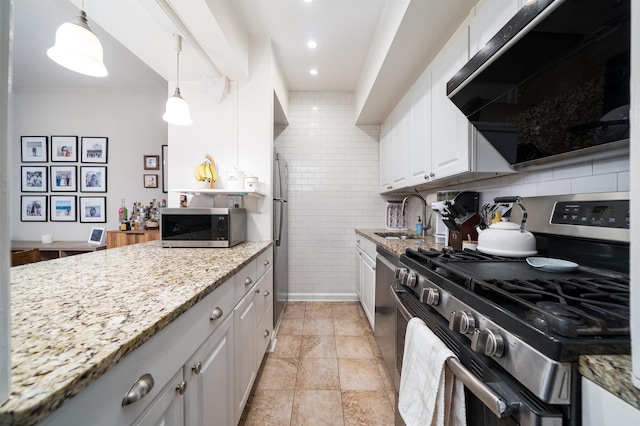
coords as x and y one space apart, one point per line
532 323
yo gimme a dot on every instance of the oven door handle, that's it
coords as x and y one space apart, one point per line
483 392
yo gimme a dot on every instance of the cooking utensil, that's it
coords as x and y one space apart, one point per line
507 238
552 265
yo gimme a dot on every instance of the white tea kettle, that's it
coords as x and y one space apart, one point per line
506 238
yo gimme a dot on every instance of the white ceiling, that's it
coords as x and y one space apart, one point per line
374 48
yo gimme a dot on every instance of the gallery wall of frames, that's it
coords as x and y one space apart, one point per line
62 178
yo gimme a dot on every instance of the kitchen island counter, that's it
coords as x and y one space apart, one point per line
74 318
398 247
612 373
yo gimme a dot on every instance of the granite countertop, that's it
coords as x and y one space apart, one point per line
398 247
75 317
612 373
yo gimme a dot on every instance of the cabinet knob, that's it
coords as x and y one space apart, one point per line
432 174
216 314
266 333
266 293
266 263
138 390
248 281
181 388
257 291
197 368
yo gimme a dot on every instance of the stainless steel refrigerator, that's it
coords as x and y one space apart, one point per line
281 238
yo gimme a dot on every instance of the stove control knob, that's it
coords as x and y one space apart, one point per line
430 296
401 275
488 342
462 322
412 279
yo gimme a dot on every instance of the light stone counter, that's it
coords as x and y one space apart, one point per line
612 373
398 247
75 317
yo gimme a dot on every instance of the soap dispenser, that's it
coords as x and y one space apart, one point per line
419 226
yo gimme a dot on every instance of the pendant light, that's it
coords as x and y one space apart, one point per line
78 48
177 108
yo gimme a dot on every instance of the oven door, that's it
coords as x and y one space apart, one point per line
496 399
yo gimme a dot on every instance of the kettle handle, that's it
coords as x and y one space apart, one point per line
517 200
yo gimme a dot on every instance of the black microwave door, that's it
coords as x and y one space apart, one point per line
195 227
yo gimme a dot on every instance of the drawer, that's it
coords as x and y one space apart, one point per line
367 246
245 279
264 294
264 261
264 333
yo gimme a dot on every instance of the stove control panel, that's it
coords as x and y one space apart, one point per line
462 321
488 342
602 214
430 296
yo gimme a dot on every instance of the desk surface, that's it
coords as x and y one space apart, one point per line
56 246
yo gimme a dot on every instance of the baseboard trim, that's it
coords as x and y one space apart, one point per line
323 297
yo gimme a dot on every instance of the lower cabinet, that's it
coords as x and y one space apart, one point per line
366 276
245 369
167 409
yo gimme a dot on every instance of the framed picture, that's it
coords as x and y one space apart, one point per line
93 179
33 208
64 148
94 149
63 208
151 162
34 149
150 181
96 236
93 209
64 178
165 168
34 178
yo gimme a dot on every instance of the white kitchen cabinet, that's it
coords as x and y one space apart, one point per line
602 408
209 398
264 315
386 136
490 17
366 276
419 131
398 151
245 351
167 409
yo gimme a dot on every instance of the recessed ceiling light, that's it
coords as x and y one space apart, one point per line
308 1
313 71
312 44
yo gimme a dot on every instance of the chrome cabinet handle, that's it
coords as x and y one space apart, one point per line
181 388
266 263
266 293
266 333
248 281
138 390
216 314
197 368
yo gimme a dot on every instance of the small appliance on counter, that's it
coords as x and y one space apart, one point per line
457 217
203 227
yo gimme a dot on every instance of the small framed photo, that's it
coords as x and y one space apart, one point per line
34 178
94 149
93 209
93 179
33 208
152 162
96 236
165 171
150 181
34 149
63 208
64 148
64 179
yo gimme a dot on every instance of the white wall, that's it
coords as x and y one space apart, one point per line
333 188
130 119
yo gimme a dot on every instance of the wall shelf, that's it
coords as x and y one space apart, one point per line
215 192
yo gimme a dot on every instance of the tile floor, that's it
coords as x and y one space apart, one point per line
326 370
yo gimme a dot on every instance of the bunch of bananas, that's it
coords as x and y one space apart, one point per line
206 171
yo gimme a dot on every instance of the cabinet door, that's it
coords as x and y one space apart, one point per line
398 150
245 350
209 373
450 138
369 287
168 407
419 137
384 159
359 273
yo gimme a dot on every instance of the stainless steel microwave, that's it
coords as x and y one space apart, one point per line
202 227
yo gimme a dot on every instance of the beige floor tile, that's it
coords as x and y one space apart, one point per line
374 347
319 310
318 327
287 347
367 408
359 374
291 326
350 327
317 408
318 374
270 407
318 347
353 347
294 310
345 310
278 373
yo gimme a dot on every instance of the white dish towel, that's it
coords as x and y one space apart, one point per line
430 395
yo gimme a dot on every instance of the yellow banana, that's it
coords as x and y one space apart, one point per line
197 172
207 172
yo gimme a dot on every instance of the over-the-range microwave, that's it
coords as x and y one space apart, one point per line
202 227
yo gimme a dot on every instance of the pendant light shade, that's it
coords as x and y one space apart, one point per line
78 48
177 112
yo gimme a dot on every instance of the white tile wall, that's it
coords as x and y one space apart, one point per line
333 189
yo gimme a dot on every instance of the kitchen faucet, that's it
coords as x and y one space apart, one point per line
426 223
